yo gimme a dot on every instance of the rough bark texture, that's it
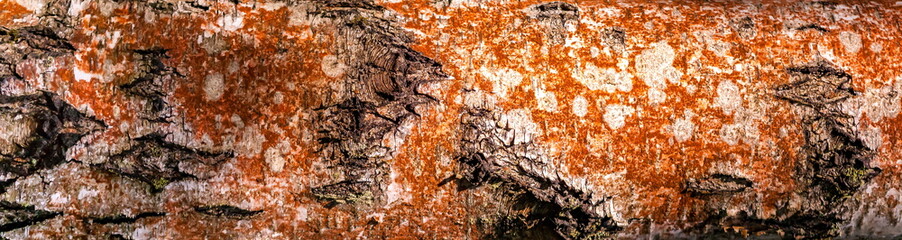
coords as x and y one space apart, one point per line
450 119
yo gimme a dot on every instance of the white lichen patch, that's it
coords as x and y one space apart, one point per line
683 128
747 112
655 65
32 5
876 47
58 199
598 144
720 48
580 106
545 100
272 6
112 39
745 132
76 6
478 99
237 121
85 193
278 97
872 137
876 103
298 16
656 96
503 80
231 22
81 75
850 41
332 67
395 191
251 143
615 115
301 213
234 66
607 79
728 97
213 43
731 133
522 125
214 86
871 216
144 233
275 156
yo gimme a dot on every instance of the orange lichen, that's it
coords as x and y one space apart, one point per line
11 11
506 39
272 55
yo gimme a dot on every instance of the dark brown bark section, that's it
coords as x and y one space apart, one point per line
835 162
380 94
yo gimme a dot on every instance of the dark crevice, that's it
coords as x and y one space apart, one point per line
811 26
556 6
28 43
490 155
6 183
37 37
117 236
14 216
227 211
153 160
52 125
536 221
343 192
350 4
716 184
197 5
152 83
123 219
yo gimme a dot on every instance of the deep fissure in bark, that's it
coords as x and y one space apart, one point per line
496 149
380 95
123 219
153 160
834 163
227 211
14 215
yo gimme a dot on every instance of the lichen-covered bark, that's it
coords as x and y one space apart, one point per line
325 119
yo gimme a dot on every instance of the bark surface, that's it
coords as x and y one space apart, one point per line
458 119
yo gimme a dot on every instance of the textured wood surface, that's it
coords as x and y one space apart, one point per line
450 119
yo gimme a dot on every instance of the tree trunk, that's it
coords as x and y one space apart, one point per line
459 119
